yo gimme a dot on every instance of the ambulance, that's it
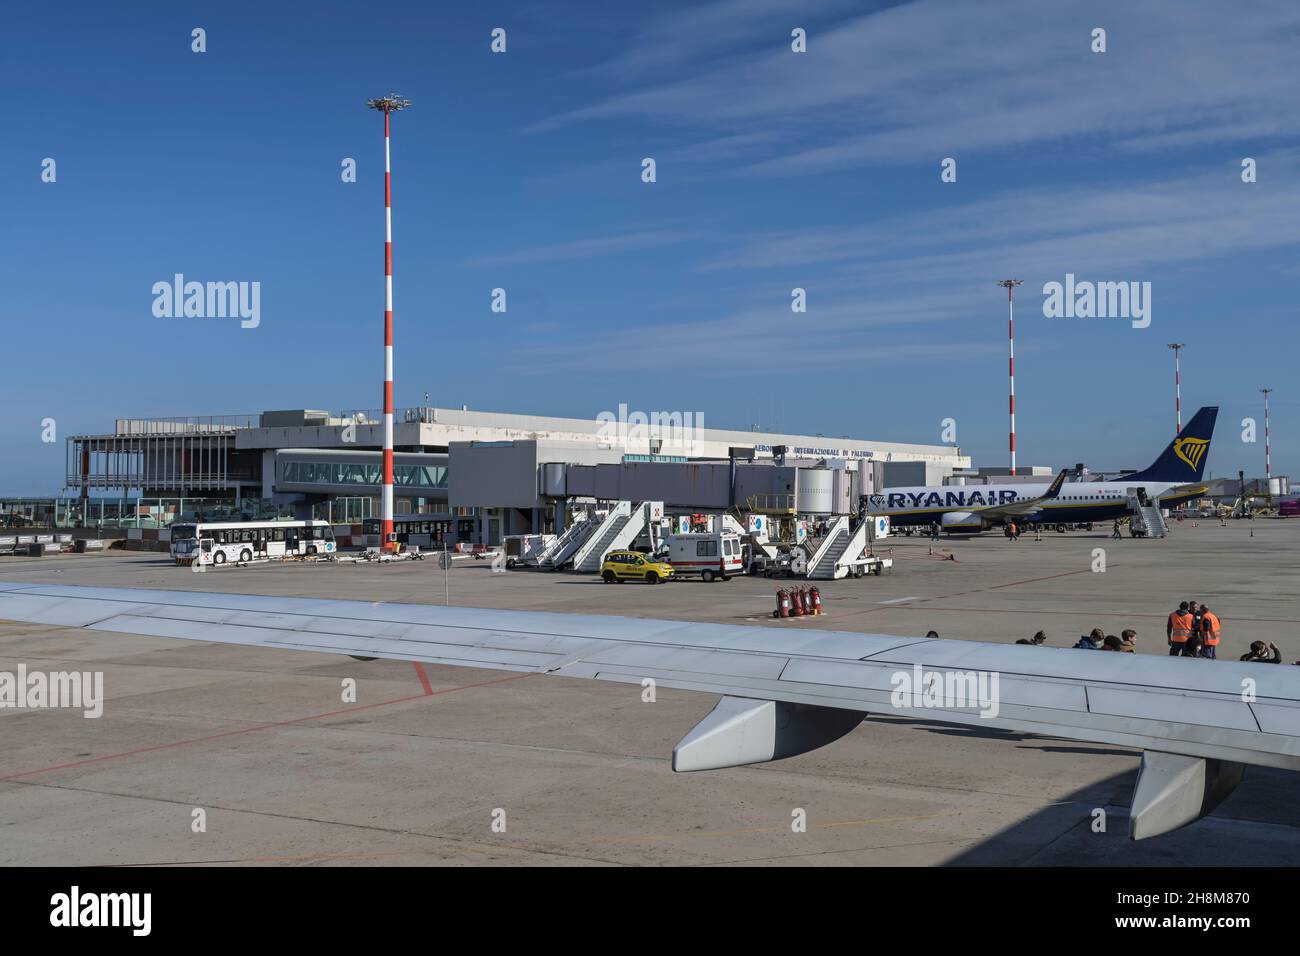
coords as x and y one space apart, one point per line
710 554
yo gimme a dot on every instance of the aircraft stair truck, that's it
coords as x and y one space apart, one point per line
1145 519
563 548
625 523
843 552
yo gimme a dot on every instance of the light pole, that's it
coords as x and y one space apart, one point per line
1178 388
388 104
1010 284
1268 452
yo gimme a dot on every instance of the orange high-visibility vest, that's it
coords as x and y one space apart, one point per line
1210 628
1181 627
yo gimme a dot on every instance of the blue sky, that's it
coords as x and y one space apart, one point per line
775 170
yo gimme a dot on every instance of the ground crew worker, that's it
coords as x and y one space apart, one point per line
1211 627
1262 652
1115 530
1179 629
1195 608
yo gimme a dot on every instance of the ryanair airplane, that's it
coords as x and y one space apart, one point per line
1173 479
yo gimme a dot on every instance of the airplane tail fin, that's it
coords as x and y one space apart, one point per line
1183 459
1054 488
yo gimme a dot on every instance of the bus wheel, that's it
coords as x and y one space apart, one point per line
219 557
357 657
707 577
245 556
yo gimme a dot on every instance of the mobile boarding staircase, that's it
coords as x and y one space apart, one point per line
620 529
566 545
840 553
1147 517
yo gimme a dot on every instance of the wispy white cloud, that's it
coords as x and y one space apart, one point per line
712 32
1134 225
905 285
585 248
835 333
949 77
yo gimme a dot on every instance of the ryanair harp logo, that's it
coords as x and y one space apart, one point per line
1191 450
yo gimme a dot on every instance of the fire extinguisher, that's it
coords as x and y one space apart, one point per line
782 604
814 601
797 602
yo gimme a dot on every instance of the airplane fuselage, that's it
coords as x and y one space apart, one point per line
1078 501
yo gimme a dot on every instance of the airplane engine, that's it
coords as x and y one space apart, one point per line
962 521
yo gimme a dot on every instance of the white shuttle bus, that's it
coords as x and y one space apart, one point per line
219 542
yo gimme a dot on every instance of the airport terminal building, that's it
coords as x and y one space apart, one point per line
513 472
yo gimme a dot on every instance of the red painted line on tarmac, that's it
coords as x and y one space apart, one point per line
424 679
1063 574
428 692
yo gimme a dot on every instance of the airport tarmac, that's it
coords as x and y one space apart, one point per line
419 768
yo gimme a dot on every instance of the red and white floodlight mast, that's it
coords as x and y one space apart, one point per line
1178 388
1268 451
388 104
1010 284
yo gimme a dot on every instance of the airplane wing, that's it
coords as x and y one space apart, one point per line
1181 491
1030 506
784 692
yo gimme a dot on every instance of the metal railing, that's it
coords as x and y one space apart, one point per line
773 503
184 424
375 416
